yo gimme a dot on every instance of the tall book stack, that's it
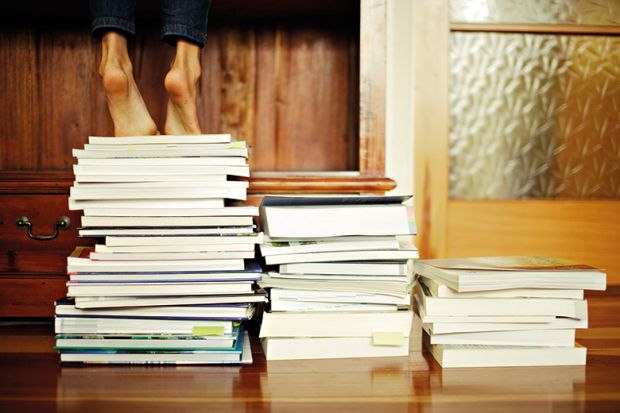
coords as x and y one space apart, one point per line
175 275
504 311
341 277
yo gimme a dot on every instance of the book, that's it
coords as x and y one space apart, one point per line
187 170
211 160
178 256
77 264
160 139
557 338
302 217
229 211
499 306
198 312
133 240
377 268
155 232
190 182
328 348
110 326
456 327
443 291
141 204
151 301
353 324
486 319
270 247
144 342
132 222
111 145
506 356
397 289
314 257
315 306
135 152
131 177
80 289
335 296
497 273
174 248
92 192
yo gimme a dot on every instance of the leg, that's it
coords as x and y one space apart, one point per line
113 22
185 26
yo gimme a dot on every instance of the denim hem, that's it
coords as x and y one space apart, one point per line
170 32
101 24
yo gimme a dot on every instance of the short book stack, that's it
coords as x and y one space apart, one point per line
175 275
504 311
340 279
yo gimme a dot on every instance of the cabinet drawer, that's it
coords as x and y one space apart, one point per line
30 295
21 254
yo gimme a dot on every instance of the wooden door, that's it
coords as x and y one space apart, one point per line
517 133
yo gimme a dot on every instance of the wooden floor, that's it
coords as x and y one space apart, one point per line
31 380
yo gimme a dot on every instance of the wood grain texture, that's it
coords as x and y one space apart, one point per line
431 125
373 61
397 384
585 231
30 295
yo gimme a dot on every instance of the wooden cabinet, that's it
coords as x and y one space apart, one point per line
302 82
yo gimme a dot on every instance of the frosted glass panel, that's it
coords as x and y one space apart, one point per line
590 12
534 116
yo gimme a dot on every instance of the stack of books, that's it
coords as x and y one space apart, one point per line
504 311
340 278
175 275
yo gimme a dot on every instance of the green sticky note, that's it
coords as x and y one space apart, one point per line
387 338
208 331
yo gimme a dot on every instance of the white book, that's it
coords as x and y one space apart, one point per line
164 276
76 264
175 248
98 221
501 273
179 178
161 139
173 256
345 324
103 232
378 255
79 170
229 211
500 306
161 153
334 244
489 319
306 306
114 241
394 268
336 277
328 348
139 204
554 338
506 356
204 160
109 146
82 193
80 325
144 342
443 291
557 323
178 312
152 289
189 183
397 289
133 301
335 221
337 297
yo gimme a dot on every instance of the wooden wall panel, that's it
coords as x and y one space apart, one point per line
288 86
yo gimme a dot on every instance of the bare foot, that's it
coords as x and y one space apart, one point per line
181 83
125 103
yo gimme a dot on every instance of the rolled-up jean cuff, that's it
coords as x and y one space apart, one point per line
171 32
100 25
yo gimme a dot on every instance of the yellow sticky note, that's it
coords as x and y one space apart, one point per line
387 338
237 145
208 331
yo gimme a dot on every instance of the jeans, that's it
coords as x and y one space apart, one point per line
185 19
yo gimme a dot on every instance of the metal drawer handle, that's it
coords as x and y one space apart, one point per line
61 223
